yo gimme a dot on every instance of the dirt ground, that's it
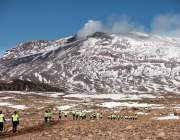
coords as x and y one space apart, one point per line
150 124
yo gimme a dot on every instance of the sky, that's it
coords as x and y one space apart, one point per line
26 20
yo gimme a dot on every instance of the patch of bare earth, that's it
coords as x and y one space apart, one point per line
32 126
96 129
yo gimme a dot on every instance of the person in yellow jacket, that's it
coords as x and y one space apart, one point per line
46 116
101 115
77 115
65 114
97 115
73 114
15 121
2 121
84 115
50 115
94 115
80 115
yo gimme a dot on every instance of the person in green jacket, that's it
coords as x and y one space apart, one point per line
15 121
73 114
118 117
46 116
97 115
80 115
112 116
77 115
136 117
94 115
84 115
50 115
91 116
65 114
2 121
129 117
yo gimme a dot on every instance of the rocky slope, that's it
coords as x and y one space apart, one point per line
100 62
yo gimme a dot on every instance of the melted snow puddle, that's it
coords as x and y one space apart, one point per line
112 96
127 104
171 116
13 106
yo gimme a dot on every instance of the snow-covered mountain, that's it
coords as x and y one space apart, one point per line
100 62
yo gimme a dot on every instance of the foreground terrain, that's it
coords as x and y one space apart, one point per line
158 116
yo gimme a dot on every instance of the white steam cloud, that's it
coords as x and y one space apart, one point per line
89 28
122 24
116 24
164 25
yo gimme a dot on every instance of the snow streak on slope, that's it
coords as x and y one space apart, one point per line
133 62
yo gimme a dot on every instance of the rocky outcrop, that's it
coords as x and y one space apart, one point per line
20 85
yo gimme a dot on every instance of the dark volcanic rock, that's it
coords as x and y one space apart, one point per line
20 85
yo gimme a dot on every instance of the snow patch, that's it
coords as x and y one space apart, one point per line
65 107
126 104
112 96
13 106
169 117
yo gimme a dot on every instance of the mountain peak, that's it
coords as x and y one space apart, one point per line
101 62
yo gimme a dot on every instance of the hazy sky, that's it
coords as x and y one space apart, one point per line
25 20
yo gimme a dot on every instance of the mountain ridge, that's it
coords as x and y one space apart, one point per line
100 62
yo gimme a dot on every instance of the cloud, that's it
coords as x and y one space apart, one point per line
89 28
161 24
166 25
115 24
123 24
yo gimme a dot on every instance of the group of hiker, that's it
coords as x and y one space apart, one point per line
80 115
76 115
95 115
15 121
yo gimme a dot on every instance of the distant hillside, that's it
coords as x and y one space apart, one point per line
20 85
